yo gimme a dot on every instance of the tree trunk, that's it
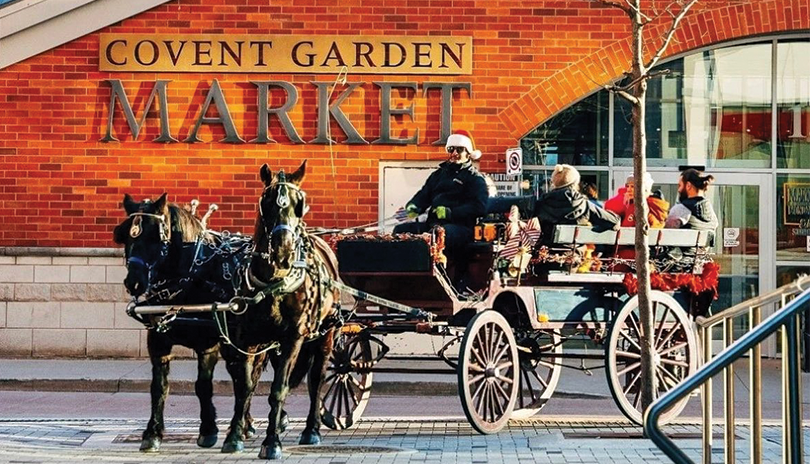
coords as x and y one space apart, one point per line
648 379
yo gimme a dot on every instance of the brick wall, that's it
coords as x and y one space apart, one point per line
61 187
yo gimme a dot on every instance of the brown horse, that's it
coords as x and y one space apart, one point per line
292 304
161 246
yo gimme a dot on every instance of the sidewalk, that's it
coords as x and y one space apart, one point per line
111 375
81 375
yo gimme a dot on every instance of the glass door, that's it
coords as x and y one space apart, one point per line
744 244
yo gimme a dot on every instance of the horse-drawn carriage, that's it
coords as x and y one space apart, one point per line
510 327
514 324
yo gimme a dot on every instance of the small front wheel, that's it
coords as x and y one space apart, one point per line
488 372
347 385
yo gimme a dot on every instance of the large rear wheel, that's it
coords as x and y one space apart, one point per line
488 372
675 354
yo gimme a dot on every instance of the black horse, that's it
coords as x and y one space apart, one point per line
169 259
293 305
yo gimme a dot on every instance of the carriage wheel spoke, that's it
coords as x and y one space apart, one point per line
628 354
632 383
666 373
483 343
499 392
477 378
502 351
540 379
528 386
478 358
629 368
676 328
477 394
673 348
632 342
504 379
660 331
503 365
546 364
632 318
482 402
674 362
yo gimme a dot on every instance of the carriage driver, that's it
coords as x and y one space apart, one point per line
455 194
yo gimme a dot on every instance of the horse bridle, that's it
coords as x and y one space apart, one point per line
283 201
164 231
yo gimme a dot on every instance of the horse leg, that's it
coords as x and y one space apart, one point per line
204 388
257 364
159 390
239 368
318 354
271 446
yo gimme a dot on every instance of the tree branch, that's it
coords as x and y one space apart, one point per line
645 18
613 4
676 19
623 93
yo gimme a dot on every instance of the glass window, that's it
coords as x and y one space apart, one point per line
793 104
713 109
576 136
793 217
538 181
666 130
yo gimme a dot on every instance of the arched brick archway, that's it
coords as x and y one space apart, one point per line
738 20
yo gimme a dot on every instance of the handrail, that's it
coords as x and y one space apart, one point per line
769 298
786 316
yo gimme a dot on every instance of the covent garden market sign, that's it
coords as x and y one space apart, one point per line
434 56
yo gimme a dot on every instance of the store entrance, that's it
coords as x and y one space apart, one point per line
744 243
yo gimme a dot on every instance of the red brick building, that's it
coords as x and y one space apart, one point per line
61 186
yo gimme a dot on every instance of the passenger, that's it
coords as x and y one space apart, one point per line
589 190
566 205
694 211
622 203
455 195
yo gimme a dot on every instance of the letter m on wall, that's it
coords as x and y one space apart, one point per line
118 93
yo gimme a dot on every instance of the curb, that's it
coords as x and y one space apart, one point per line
224 387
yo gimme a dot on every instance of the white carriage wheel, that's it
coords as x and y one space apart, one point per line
347 386
539 371
488 372
675 355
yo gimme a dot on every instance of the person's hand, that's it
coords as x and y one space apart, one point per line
442 212
412 210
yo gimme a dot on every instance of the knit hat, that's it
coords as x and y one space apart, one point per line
462 138
564 175
647 183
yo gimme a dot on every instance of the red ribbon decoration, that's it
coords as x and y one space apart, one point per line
693 283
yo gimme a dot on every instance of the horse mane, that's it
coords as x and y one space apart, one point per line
185 223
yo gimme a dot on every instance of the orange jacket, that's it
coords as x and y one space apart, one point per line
659 208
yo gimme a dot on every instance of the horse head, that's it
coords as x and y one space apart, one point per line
280 225
147 238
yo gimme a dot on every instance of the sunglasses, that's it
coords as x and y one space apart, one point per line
458 150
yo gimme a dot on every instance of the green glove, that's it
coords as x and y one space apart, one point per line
412 210
442 212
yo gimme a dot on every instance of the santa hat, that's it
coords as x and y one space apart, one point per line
564 175
462 138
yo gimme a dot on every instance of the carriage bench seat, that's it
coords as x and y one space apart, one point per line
582 235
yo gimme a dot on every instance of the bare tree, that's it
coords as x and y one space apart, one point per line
635 92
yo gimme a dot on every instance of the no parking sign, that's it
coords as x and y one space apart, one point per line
514 161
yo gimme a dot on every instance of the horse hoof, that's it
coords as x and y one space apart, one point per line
250 432
310 438
207 441
150 445
284 422
233 447
270 452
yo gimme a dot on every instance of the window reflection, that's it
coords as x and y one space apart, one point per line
576 136
538 182
792 217
793 104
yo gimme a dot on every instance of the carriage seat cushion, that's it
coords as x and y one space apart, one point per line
571 235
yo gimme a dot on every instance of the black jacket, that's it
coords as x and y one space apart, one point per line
459 187
567 206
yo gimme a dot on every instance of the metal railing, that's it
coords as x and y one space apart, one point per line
787 317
